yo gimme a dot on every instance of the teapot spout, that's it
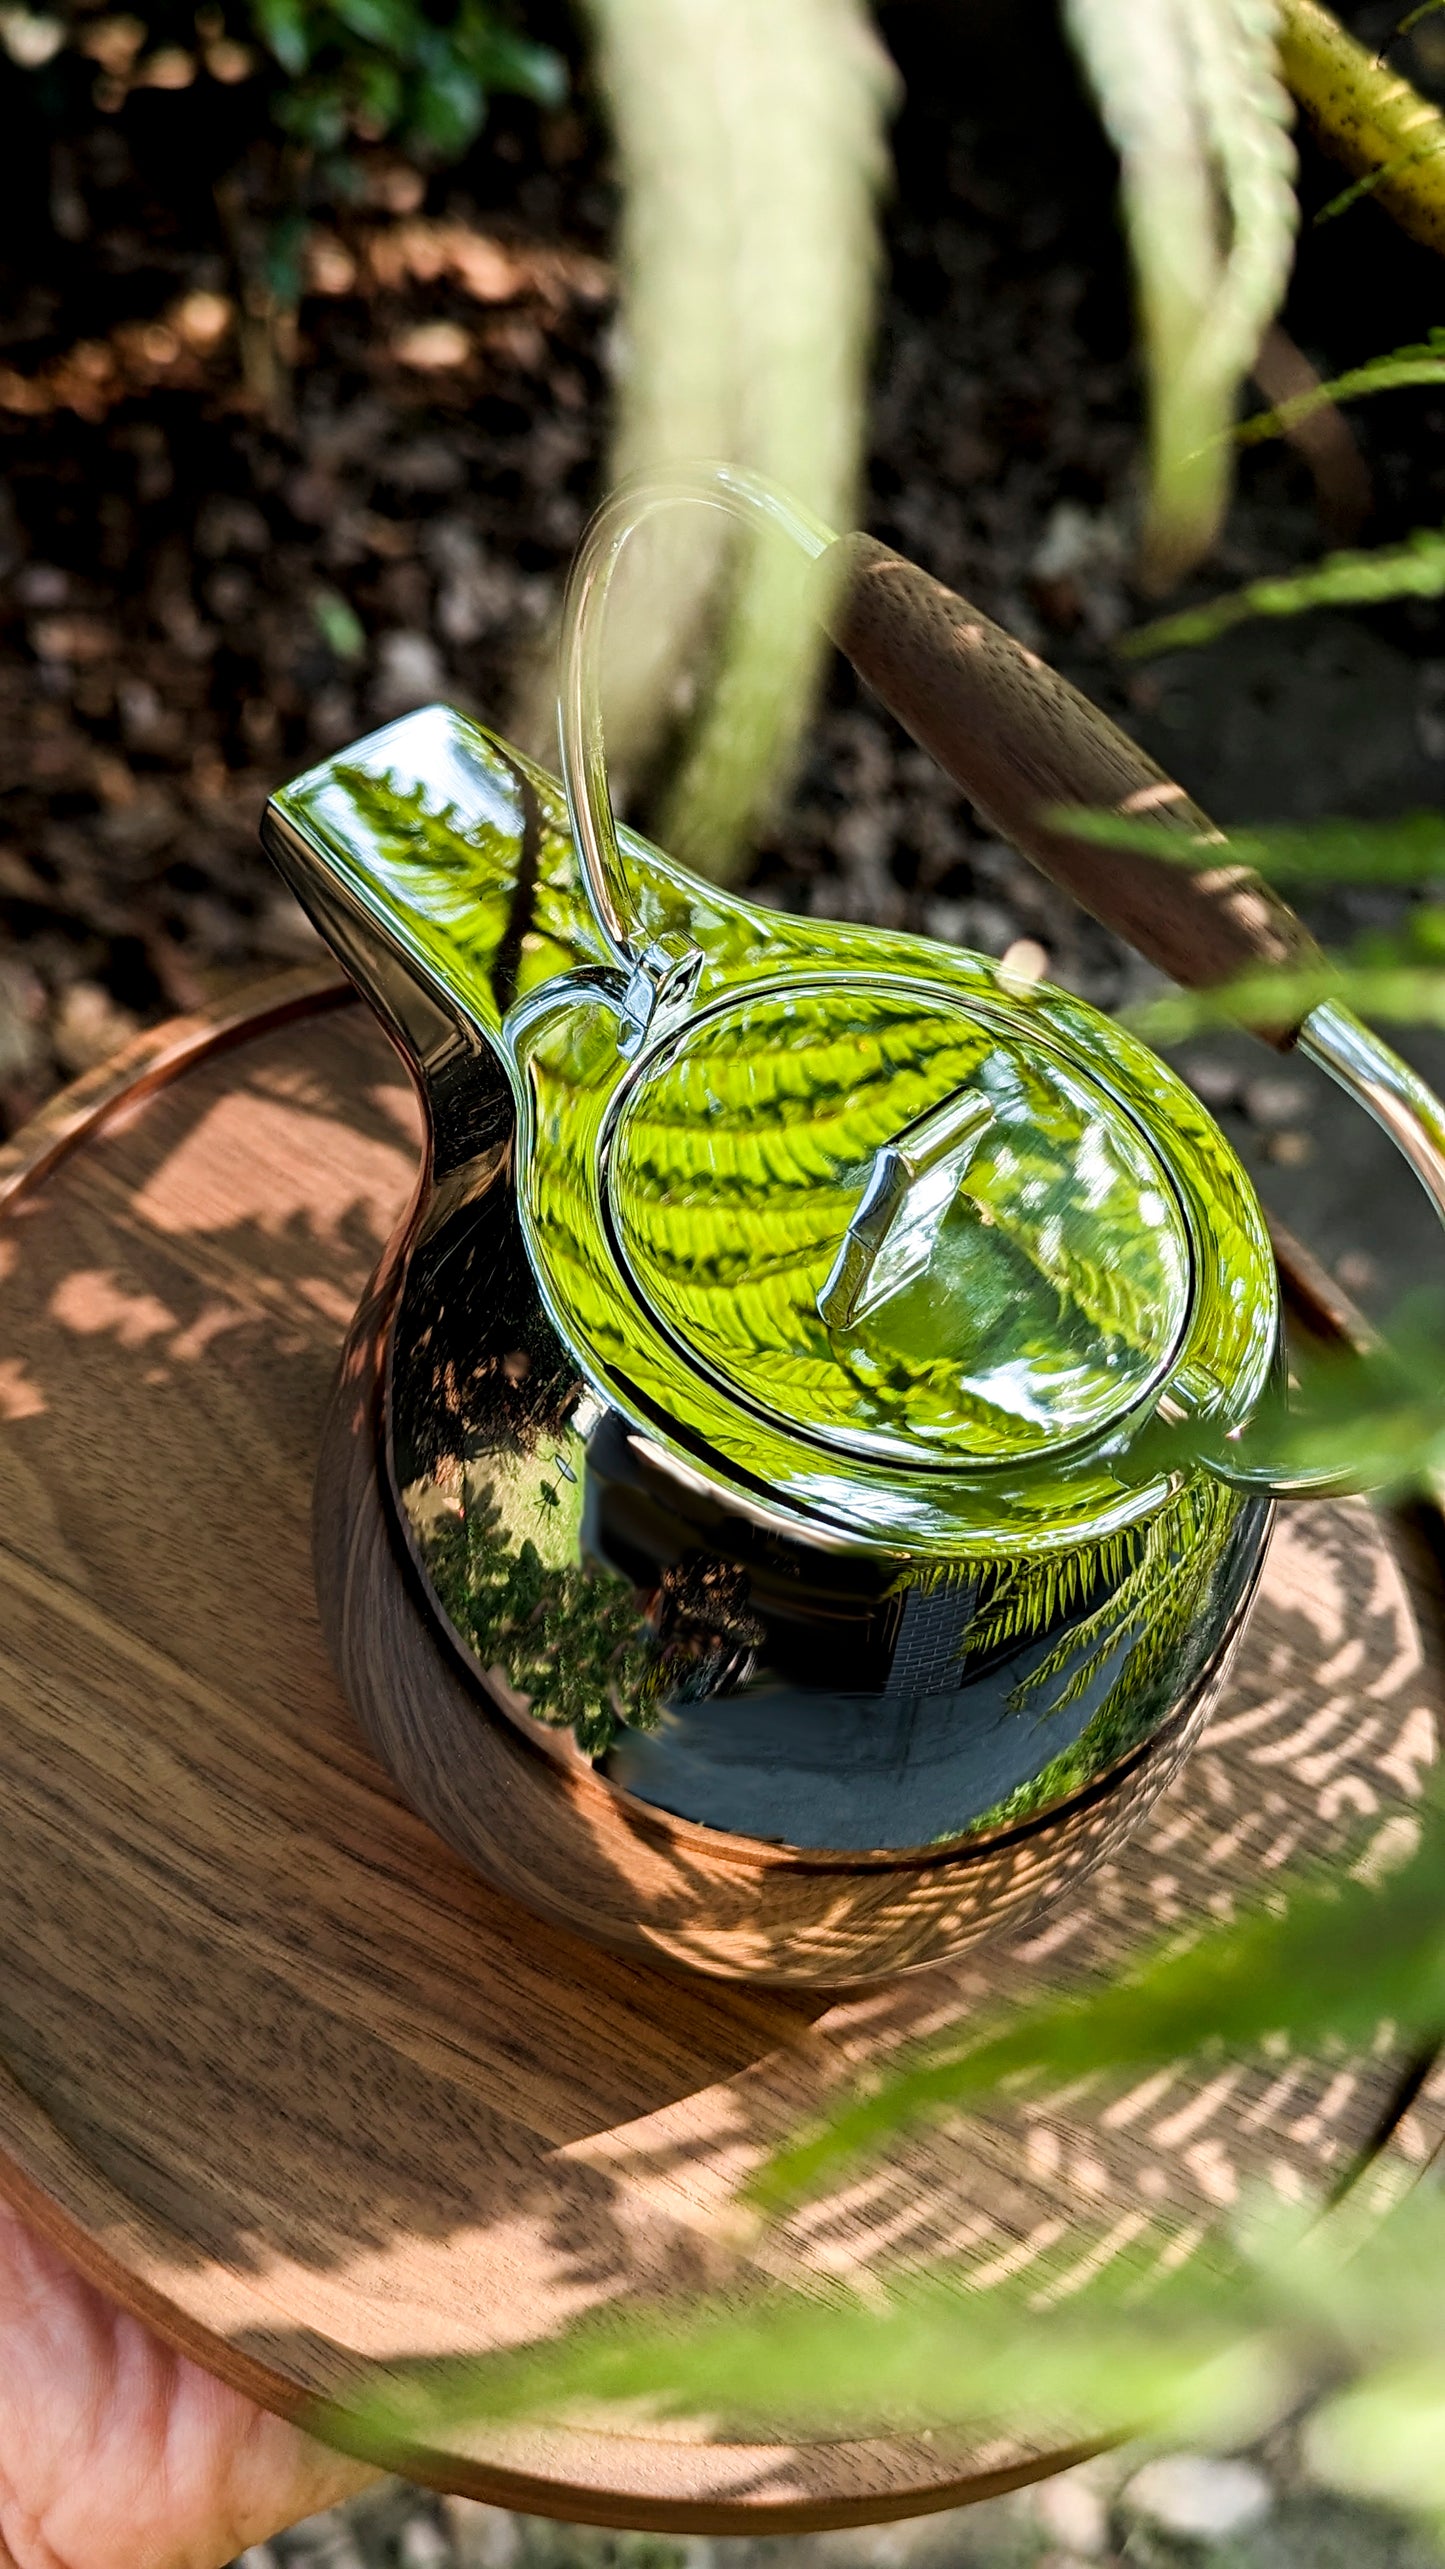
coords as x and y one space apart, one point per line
426 855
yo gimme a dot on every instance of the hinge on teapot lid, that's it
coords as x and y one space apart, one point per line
662 977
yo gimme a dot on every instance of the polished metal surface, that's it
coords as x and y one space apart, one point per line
740 1676
1414 1118
1034 1292
910 1186
818 1372
867 1644
682 1209
1397 1098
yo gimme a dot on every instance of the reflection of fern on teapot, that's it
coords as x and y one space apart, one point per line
1144 1601
818 1372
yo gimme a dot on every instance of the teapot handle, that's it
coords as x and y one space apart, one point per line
1404 1107
662 969
1015 736
1022 743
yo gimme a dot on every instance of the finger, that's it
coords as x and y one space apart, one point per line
118 2453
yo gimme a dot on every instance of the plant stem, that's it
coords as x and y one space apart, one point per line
751 140
1367 117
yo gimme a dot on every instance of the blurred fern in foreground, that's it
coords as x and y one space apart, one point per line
1345 2310
1421 364
1409 850
1397 975
1414 569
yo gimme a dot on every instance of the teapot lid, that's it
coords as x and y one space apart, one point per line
900 1228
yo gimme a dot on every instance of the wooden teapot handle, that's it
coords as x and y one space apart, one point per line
1020 741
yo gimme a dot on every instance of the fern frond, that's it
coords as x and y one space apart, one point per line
1414 569
1377 179
1408 850
1422 363
1412 19
1153 1608
1027 1598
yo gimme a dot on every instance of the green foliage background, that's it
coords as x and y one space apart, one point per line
420 71
332 73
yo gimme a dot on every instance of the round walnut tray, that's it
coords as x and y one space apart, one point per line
301 2090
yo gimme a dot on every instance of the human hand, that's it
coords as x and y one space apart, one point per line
115 2452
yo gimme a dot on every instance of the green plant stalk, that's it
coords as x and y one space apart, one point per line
1367 117
1191 96
1412 569
1404 369
751 142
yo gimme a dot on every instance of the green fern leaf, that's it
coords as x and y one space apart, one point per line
1414 569
1410 849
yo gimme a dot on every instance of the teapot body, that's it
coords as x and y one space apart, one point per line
769 1682
766 1727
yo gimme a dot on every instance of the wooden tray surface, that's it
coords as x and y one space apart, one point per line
277 2070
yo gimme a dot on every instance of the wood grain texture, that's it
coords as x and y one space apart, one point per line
281 2071
1020 741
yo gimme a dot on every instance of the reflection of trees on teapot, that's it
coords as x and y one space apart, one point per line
706 1633
479 1368
491 1427
1138 1610
543 1555
567 1637
579 1642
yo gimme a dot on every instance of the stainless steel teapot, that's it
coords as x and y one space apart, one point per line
733 1529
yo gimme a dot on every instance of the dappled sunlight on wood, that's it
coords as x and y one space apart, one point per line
302 2076
254 1159
19 1397
91 1301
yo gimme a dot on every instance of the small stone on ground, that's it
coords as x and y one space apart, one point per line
1198 2495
